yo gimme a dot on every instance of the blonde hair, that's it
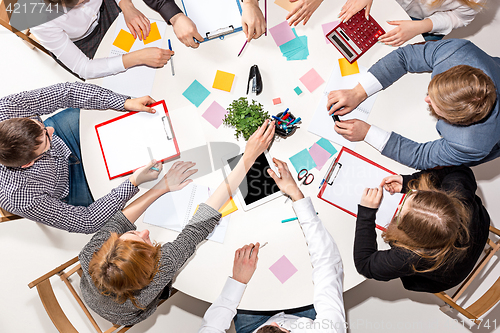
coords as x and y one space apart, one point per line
121 268
469 3
434 225
464 94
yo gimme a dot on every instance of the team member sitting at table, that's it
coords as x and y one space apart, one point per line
327 315
436 236
41 173
125 275
462 95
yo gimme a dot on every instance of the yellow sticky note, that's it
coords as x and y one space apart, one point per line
346 68
286 4
223 81
124 40
154 34
228 208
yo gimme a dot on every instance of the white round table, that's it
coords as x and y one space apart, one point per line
205 273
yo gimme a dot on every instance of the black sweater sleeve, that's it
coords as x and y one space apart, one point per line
374 264
166 8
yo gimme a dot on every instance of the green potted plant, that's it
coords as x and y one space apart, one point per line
245 117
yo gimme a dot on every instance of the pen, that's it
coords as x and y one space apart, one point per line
246 42
295 121
171 59
334 116
292 219
251 251
151 157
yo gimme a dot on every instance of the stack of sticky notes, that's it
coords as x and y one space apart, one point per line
315 157
292 46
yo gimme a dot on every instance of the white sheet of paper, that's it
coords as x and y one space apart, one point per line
354 176
173 210
212 15
322 124
136 81
125 142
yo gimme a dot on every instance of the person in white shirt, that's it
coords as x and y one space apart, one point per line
327 315
432 18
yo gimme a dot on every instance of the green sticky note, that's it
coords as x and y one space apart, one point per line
196 93
297 90
302 160
327 145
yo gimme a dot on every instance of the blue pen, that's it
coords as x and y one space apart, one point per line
171 59
155 169
295 121
321 184
292 219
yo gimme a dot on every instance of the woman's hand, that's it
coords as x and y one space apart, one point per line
259 141
253 22
351 7
146 174
372 197
404 31
303 11
285 182
393 184
177 177
137 22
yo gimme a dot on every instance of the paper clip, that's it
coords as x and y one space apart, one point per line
336 168
220 32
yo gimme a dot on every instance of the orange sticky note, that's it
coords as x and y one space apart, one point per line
348 69
223 81
154 34
124 40
228 208
286 4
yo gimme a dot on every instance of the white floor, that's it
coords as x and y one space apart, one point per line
29 250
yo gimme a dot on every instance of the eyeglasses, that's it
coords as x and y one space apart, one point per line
402 204
38 119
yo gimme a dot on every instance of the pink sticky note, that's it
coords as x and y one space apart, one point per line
276 101
215 114
319 155
312 80
282 33
327 27
283 269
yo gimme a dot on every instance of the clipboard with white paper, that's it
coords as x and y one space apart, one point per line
127 141
214 18
346 179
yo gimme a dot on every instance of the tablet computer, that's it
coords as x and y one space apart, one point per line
258 187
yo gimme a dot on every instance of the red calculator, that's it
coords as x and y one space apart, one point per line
354 37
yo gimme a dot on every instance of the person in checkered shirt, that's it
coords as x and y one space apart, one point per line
41 174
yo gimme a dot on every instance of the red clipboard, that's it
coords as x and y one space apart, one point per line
163 113
328 181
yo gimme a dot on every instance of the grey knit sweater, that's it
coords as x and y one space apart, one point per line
173 256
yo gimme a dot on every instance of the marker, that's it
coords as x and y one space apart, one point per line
292 219
334 116
321 184
295 121
246 42
151 157
171 59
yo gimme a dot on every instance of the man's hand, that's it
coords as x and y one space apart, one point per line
404 31
285 182
252 20
137 22
372 197
352 129
393 184
351 7
146 174
139 104
259 141
177 177
302 11
186 30
347 100
245 262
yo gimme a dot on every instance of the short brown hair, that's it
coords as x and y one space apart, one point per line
435 226
19 140
121 268
269 329
464 94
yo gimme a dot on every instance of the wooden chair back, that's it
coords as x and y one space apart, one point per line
489 298
6 216
52 306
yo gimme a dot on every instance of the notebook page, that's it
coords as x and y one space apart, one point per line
354 176
214 14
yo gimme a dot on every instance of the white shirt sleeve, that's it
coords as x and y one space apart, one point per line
58 42
377 137
219 315
443 22
327 268
370 83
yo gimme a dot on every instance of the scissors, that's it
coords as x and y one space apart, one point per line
306 176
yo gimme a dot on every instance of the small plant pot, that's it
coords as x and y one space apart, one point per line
291 129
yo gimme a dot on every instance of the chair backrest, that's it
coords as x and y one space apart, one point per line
491 297
52 306
6 216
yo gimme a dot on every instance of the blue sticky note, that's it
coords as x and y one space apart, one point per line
196 93
297 90
327 145
303 52
302 160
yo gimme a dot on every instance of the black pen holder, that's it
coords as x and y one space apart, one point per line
290 129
